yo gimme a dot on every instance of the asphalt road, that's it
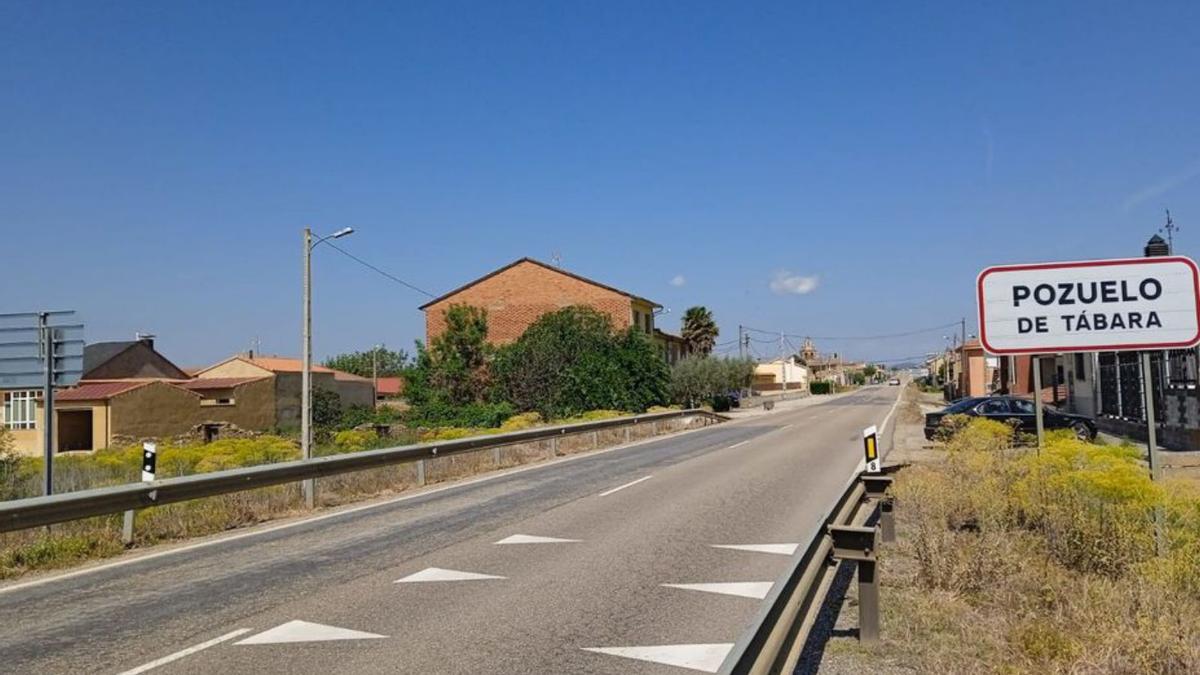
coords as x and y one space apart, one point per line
320 596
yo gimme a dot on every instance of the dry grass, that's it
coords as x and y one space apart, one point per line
1014 562
68 544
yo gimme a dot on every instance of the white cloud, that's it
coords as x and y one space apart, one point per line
1163 186
786 283
678 280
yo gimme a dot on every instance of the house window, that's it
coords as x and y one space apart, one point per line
1182 368
649 323
20 408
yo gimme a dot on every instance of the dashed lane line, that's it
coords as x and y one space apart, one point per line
622 487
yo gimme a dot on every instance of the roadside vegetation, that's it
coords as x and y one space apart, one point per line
1014 561
569 366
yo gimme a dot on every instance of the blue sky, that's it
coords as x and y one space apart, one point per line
160 159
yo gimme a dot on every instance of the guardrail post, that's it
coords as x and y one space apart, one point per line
595 440
858 544
627 434
421 472
887 520
554 447
496 455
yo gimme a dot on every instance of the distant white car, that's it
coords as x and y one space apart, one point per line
894 382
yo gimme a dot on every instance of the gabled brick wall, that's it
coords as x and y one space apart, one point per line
514 298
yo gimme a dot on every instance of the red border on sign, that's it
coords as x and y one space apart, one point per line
1088 263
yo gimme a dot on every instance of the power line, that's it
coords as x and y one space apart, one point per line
368 265
857 337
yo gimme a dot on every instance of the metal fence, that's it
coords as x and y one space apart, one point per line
776 638
25 513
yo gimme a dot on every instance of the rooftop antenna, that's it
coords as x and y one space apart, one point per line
1170 229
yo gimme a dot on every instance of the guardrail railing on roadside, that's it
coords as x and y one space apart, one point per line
776 638
37 511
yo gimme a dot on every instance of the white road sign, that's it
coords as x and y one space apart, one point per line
1099 305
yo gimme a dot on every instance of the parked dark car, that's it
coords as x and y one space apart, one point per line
1004 408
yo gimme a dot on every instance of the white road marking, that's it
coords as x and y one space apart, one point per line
744 589
622 487
439 574
706 658
737 445
777 549
185 652
786 426
224 539
304 631
533 539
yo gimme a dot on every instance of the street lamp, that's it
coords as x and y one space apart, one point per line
308 487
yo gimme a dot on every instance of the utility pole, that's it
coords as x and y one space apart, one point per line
46 334
782 363
741 343
375 376
307 487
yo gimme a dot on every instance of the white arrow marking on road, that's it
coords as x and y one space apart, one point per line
534 539
304 631
745 589
439 574
778 549
706 658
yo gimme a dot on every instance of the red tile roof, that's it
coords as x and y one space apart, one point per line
216 382
97 391
390 386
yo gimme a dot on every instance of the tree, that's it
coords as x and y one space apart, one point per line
870 370
701 380
450 381
391 363
572 361
699 330
326 409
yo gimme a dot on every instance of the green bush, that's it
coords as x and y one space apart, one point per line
354 440
820 387
572 360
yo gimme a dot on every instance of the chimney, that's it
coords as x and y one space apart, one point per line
145 338
1156 247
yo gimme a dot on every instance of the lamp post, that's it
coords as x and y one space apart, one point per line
308 487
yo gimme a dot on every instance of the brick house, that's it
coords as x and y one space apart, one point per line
517 294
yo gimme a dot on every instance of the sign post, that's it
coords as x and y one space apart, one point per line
871 449
1128 304
38 351
1038 403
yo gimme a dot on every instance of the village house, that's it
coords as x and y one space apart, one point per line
131 392
519 293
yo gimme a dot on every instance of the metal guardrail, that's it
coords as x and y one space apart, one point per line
37 511
776 638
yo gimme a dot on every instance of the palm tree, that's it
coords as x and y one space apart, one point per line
699 330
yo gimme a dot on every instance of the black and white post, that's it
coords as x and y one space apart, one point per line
149 468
